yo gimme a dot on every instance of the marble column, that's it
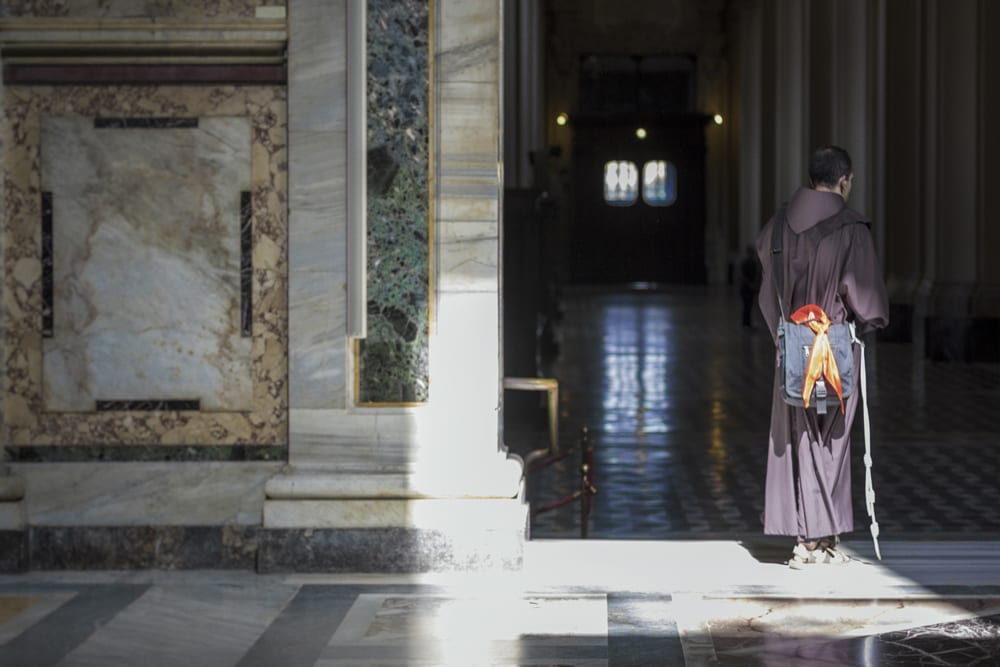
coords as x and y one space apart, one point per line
407 487
750 73
13 536
954 237
790 72
524 105
853 111
903 167
713 76
986 299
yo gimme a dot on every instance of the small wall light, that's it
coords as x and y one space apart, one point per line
562 119
640 132
717 118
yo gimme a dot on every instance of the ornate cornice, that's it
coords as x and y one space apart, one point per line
142 42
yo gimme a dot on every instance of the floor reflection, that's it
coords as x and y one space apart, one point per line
676 394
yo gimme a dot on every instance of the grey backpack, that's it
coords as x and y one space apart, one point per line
796 343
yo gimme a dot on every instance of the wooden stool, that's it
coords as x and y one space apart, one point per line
550 386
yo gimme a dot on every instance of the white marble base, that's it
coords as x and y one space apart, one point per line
12 515
452 515
142 494
11 488
496 480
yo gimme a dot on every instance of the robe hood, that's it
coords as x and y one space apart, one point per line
807 207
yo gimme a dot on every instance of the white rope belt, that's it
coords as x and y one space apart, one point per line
869 488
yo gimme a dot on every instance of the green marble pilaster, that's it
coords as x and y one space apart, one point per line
393 360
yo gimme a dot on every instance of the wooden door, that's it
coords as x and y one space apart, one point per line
639 242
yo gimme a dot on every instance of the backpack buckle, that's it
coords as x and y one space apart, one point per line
820 397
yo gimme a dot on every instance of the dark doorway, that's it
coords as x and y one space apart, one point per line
640 241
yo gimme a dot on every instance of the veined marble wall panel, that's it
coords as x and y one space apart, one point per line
317 85
28 421
146 263
316 339
317 229
468 46
468 255
468 188
472 129
370 441
317 69
104 9
159 494
469 153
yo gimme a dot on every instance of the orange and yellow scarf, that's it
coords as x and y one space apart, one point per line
821 360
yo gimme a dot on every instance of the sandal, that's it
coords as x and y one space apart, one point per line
824 551
832 556
802 557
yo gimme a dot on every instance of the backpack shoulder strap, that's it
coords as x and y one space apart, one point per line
777 261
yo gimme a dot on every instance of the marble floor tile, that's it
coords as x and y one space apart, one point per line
574 604
20 611
186 626
466 630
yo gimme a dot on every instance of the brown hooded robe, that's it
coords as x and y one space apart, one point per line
808 488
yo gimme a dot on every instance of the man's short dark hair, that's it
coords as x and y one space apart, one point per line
827 165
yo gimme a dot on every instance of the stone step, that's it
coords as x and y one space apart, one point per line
452 514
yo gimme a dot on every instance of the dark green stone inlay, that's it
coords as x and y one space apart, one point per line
393 357
90 453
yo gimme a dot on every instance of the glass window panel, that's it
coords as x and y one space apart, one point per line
621 182
659 183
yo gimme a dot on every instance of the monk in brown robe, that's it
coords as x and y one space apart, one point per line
808 488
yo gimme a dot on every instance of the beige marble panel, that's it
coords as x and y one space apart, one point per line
28 422
146 262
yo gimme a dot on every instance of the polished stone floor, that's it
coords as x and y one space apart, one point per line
674 394
577 602
676 397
